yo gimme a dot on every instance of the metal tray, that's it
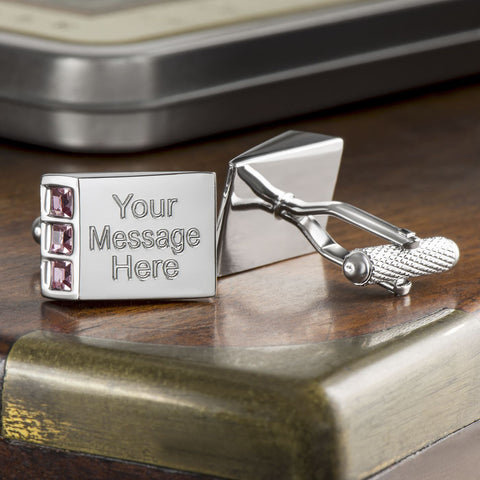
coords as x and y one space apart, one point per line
111 96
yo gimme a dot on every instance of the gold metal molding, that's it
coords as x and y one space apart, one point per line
338 410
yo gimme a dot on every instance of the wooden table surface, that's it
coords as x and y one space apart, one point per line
412 160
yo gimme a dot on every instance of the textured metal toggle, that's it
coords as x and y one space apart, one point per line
127 235
293 158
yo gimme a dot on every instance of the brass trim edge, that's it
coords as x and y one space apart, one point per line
338 410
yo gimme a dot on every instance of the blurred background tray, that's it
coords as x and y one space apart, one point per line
118 75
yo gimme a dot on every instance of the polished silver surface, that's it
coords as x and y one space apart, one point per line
135 235
37 230
390 266
135 96
357 267
247 236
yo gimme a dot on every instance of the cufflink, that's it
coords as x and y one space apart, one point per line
152 235
289 182
127 235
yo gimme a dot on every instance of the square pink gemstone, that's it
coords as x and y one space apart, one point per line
61 235
61 202
60 275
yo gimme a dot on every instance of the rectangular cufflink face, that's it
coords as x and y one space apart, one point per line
303 163
128 235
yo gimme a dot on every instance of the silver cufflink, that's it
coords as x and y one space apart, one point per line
257 196
127 236
152 235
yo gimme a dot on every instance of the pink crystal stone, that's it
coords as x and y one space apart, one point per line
61 275
61 202
61 235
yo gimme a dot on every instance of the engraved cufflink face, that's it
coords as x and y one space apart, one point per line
128 235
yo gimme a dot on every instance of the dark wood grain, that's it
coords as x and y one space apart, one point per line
413 161
20 461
